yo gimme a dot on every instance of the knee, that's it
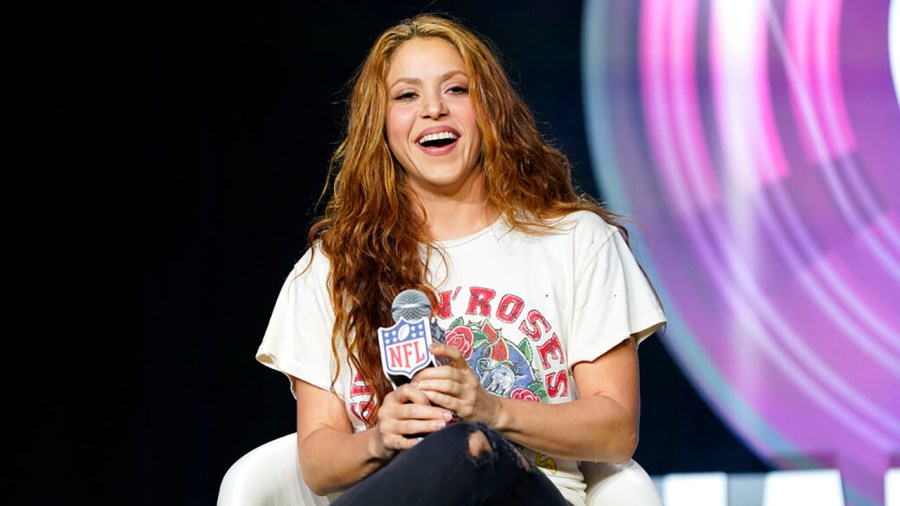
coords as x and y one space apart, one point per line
471 438
481 443
479 446
484 445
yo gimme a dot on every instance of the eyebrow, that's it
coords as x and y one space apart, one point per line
416 80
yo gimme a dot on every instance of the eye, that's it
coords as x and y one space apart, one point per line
458 89
405 96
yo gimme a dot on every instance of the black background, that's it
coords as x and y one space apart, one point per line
167 157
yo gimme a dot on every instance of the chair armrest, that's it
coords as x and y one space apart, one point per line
619 485
268 475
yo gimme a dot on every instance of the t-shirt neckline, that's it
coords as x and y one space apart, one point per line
496 227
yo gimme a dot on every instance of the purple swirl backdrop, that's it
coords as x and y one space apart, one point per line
759 142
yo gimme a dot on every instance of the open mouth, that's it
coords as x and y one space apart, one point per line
438 140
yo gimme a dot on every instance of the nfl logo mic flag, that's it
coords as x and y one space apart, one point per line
404 349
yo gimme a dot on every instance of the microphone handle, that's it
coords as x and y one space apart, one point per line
399 379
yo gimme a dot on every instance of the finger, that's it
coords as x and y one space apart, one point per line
419 412
399 442
409 393
411 427
441 372
446 386
443 400
443 350
406 428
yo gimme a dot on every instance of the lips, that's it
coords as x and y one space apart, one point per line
438 140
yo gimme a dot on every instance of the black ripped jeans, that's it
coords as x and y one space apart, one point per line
444 469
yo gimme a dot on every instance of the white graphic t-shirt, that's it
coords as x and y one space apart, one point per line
522 308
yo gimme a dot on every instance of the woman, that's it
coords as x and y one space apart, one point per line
443 184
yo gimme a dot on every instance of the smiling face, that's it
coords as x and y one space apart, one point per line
431 125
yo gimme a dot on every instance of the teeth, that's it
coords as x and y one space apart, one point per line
438 136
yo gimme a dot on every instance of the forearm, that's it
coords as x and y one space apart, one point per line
600 426
596 428
331 460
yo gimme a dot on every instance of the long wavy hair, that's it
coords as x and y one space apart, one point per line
370 230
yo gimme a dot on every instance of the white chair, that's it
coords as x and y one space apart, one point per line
892 481
269 475
821 487
695 489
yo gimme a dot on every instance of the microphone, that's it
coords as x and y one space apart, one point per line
410 304
413 329
404 346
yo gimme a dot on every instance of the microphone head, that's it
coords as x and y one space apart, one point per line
410 305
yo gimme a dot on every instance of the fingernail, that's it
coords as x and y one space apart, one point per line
439 425
448 416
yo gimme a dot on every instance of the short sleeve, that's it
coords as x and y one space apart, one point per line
613 297
297 341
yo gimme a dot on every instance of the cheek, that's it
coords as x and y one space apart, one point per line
471 121
476 139
396 129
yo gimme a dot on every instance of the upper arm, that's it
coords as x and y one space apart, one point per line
614 375
318 409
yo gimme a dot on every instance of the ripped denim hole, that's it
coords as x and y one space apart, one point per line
523 463
480 454
481 445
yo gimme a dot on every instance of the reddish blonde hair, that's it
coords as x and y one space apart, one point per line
370 231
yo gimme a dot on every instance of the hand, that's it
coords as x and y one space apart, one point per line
404 412
456 388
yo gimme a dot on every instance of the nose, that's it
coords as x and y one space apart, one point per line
433 106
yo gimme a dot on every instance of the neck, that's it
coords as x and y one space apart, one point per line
452 219
457 211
